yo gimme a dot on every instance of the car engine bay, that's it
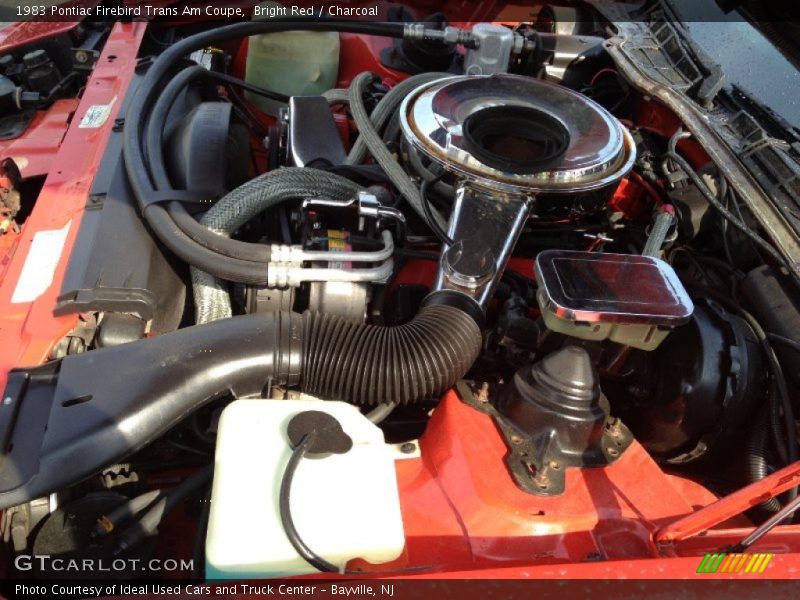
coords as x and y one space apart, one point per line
423 295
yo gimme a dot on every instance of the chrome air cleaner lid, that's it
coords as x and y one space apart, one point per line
517 134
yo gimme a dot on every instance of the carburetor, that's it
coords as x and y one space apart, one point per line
515 146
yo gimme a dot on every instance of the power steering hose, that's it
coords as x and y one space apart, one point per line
212 300
190 241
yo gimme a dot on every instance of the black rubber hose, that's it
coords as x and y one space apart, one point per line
285 508
154 133
124 512
137 168
756 450
147 525
424 189
169 233
199 550
367 364
695 178
197 255
133 393
776 427
246 85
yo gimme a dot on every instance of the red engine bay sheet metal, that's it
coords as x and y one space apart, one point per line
462 512
31 279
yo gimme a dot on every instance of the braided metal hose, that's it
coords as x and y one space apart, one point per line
212 300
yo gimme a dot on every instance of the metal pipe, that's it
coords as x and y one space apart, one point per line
763 529
484 226
283 275
282 253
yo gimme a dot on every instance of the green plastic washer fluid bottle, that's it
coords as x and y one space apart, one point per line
295 63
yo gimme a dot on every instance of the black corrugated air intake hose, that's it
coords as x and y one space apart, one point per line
757 466
94 409
756 452
367 364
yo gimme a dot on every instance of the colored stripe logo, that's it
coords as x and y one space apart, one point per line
734 563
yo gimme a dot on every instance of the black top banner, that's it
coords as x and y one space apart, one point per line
778 11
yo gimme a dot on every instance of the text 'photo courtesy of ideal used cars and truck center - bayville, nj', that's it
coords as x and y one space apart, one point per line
400 299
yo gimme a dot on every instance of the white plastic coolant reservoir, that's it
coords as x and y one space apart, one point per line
344 506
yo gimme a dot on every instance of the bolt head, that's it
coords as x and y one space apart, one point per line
408 448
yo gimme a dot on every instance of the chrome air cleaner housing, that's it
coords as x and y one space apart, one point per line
514 146
517 134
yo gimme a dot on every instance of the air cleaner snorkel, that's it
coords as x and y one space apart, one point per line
512 143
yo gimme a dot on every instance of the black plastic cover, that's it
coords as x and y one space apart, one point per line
197 149
561 419
313 136
116 264
64 421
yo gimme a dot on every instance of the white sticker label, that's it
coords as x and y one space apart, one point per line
40 264
96 115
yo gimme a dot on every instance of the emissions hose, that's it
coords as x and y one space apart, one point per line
684 165
397 175
381 412
424 189
126 511
383 111
147 525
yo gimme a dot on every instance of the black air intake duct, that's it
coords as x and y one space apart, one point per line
68 419
370 365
